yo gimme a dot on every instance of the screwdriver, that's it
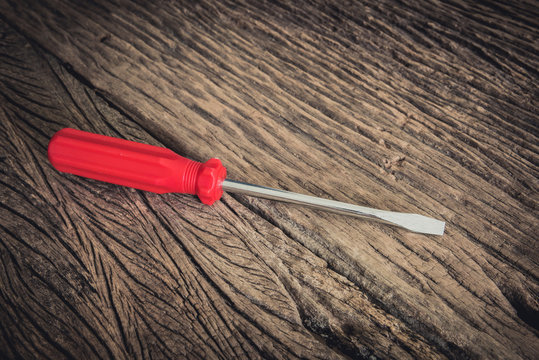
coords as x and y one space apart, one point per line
160 170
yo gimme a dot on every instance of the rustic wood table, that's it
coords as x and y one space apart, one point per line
427 107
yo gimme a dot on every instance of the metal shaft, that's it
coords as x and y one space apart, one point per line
413 222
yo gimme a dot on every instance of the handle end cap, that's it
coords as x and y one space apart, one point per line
209 186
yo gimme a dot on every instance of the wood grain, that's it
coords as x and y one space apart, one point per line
429 109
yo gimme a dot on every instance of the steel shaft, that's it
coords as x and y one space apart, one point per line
413 222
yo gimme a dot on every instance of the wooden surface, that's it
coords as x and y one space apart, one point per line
428 108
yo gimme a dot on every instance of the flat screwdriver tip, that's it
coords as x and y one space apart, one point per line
414 222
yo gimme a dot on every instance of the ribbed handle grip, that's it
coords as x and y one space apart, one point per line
133 164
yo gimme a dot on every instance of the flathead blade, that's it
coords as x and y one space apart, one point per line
413 222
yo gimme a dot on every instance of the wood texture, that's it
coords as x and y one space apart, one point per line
427 108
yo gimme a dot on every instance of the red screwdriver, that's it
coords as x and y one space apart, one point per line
160 170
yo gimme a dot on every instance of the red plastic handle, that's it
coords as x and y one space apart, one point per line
136 165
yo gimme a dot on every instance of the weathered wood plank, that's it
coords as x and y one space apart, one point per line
428 109
137 274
